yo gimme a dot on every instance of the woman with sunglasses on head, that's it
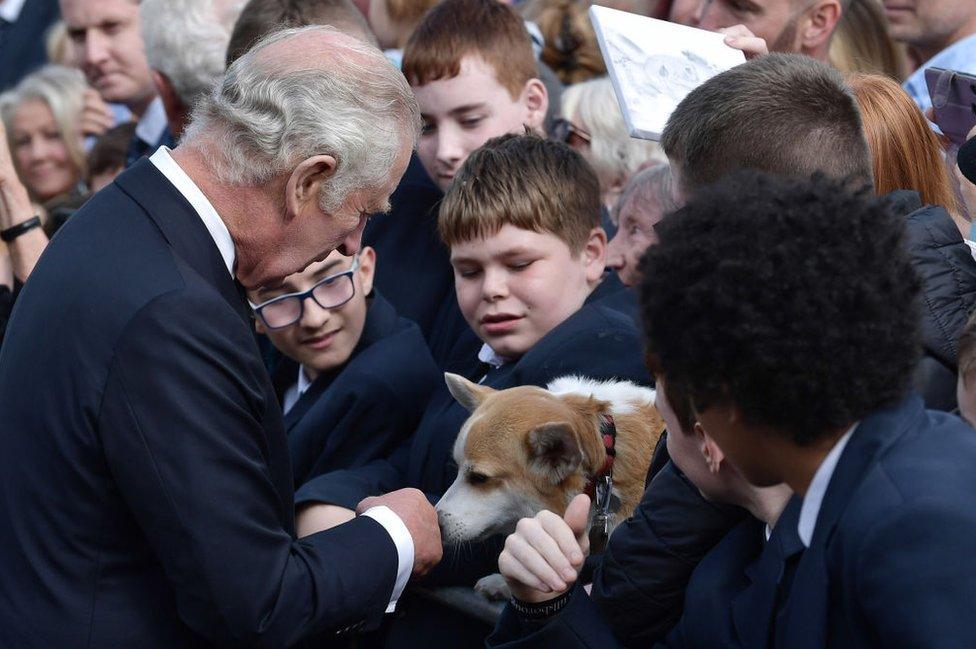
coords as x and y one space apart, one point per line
352 377
593 125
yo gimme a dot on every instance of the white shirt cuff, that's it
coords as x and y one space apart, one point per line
404 545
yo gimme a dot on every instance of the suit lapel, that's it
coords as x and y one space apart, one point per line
753 609
183 229
807 613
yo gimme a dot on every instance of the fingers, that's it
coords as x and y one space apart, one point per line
741 38
530 558
512 570
564 536
577 514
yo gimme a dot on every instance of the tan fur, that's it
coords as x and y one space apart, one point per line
496 442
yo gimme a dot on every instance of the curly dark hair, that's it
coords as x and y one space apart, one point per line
793 300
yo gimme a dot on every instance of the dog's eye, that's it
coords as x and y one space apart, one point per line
477 478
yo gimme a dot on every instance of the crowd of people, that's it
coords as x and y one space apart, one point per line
243 241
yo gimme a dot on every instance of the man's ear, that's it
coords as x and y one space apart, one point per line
306 181
709 449
554 451
535 98
817 26
468 394
367 268
595 255
176 111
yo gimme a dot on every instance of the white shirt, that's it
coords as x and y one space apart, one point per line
221 235
488 355
10 9
818 488
153 122
294 393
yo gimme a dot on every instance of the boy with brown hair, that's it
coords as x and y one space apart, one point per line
527 251
472 69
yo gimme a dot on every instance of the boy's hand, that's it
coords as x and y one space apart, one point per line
741 38
543 557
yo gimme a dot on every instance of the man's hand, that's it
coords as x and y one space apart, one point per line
419 516
96 117
741 38
543 557
316 517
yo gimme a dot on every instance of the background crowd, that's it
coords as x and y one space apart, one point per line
793 268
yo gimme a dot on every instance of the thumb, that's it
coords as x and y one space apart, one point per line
577 514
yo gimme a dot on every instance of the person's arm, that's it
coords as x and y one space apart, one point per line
182 424
639 585
15 207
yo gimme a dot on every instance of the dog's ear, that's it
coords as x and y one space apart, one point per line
468 394
554 451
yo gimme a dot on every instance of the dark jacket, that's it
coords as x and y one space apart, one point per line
363 410
146 494
890 563
22 44
947 269
597 341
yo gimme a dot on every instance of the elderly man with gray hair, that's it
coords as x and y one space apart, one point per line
146 497
185 44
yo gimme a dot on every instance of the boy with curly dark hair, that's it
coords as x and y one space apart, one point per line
787 311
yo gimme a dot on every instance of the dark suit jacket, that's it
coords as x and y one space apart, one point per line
22 44
145 488
364 409
597 341
891 559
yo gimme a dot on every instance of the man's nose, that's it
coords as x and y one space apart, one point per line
96 47
615 253
354 240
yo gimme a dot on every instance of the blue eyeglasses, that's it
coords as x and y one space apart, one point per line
329 293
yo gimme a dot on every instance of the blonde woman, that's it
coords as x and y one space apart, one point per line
43 118
593 124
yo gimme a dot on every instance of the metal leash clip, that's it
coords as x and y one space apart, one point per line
600 528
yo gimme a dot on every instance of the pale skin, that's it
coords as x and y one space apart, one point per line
280 227
15 207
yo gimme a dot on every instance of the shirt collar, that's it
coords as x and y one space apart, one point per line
200 204
10 9
818 488
153 123
488 355
303 381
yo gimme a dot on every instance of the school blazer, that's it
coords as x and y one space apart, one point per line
890 563
146 495
364 409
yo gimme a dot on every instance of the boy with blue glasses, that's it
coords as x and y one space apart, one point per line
353 377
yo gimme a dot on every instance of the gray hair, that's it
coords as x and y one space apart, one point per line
613 153
63 90
265 117
186 40
653 185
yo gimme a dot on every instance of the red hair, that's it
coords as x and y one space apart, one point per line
906 153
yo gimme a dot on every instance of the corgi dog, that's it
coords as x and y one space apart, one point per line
526 449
